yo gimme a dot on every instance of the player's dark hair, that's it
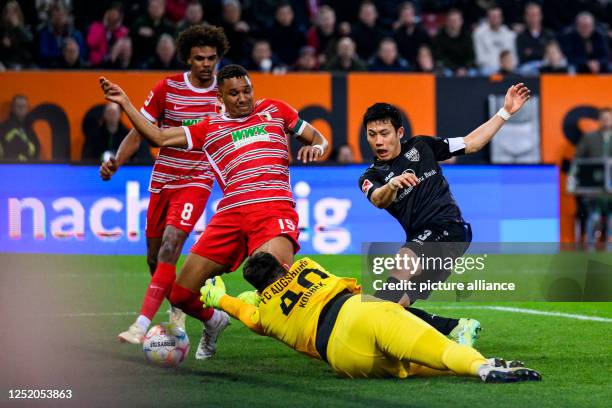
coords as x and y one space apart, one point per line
261 269
383 112
201 36
231 71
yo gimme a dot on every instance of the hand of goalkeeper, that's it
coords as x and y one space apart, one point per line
250 297
211 294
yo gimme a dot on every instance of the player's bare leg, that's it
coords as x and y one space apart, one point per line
281 247
186 296
162 256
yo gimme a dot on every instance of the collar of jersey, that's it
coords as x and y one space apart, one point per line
199 90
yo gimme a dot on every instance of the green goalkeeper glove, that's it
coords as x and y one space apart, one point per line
211 295
250 297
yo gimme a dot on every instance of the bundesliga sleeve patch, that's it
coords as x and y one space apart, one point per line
366 186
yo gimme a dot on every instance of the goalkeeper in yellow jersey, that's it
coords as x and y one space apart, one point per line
326 317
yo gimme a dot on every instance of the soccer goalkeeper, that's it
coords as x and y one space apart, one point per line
326 317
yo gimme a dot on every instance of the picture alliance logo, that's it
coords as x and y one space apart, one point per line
115 218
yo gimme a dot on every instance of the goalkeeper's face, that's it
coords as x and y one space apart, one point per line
384 139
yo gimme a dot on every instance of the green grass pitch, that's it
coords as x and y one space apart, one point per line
87 300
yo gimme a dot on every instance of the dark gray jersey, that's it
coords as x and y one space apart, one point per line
428 203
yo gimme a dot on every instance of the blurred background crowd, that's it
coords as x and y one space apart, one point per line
445 37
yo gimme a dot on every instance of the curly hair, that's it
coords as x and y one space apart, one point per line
201 36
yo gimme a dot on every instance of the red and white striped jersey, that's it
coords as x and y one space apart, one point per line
173 102
249 155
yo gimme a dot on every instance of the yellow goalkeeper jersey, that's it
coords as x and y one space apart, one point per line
290 307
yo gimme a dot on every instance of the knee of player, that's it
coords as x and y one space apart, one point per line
169 248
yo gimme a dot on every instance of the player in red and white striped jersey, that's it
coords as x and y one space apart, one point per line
182 179
248 150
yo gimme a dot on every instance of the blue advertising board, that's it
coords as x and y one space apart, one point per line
60 208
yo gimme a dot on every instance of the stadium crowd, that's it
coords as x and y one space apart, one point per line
445 37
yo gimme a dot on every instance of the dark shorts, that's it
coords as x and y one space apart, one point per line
451 240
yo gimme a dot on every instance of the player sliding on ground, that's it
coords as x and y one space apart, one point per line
182 180
326 317
248 150
406 180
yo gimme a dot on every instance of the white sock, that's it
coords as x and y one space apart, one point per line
143 322
214 319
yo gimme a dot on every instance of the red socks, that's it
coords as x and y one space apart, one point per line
158 289
189 302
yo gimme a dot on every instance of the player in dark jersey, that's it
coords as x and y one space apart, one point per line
406 180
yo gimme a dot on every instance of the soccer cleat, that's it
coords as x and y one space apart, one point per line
500 362
208 343
135 335
492 374
177 317
466 332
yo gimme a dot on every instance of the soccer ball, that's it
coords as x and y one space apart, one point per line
166 345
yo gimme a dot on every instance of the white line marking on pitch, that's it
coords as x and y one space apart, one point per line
533 312
95 314
496 308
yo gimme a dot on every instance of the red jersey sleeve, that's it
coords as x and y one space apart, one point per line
293 123
153 107
196 135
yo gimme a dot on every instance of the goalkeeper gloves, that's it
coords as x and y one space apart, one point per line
211 295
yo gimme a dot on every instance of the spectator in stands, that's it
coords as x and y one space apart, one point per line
285 37
409 35
146 30
453 46
194 15
388 59
51 36
323 36
346 59
344 155
425 61
307 60
531 42
165 55
236 30
71 56
121 56
176 10
108 136
17 139
554 60
490 39
262 59
507 64
16 39
103 35
585 47
595 211
366 32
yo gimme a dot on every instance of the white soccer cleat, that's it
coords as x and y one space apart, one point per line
212 329
177 317
135 335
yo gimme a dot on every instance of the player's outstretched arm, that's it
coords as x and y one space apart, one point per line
315 144
516 97
171 137
128 147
